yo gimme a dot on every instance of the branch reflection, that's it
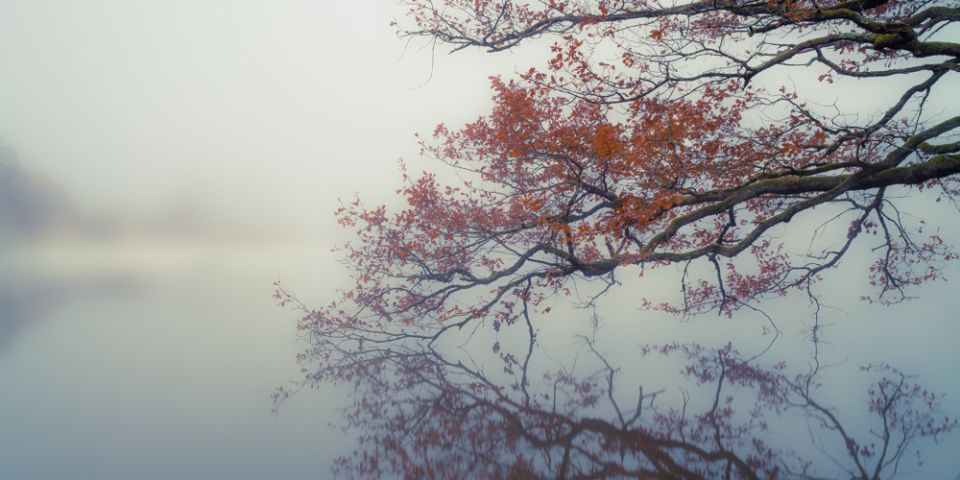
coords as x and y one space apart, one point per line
424 409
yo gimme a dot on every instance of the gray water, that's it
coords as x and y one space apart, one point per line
194 143
156 361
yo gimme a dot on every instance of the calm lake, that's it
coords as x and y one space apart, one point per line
157 360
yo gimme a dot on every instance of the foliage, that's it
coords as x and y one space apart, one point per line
654 134
659 135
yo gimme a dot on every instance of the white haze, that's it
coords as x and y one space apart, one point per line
198 149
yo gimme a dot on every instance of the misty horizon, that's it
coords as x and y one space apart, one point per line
165 166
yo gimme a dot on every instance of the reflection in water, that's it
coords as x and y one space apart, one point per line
424 410
161 347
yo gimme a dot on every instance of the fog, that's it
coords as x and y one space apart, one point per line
166 162
130 103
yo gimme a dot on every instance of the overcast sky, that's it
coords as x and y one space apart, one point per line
276 107
263 109
123 362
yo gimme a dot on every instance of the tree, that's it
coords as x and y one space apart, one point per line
706 135
30 203
658 134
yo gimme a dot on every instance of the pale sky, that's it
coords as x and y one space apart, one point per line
275 106
266 109
123 361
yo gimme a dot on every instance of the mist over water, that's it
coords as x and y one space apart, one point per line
146 345
156 369
163 163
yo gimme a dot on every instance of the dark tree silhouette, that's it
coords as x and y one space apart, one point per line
29 202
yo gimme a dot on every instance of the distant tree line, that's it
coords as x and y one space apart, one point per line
29 203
